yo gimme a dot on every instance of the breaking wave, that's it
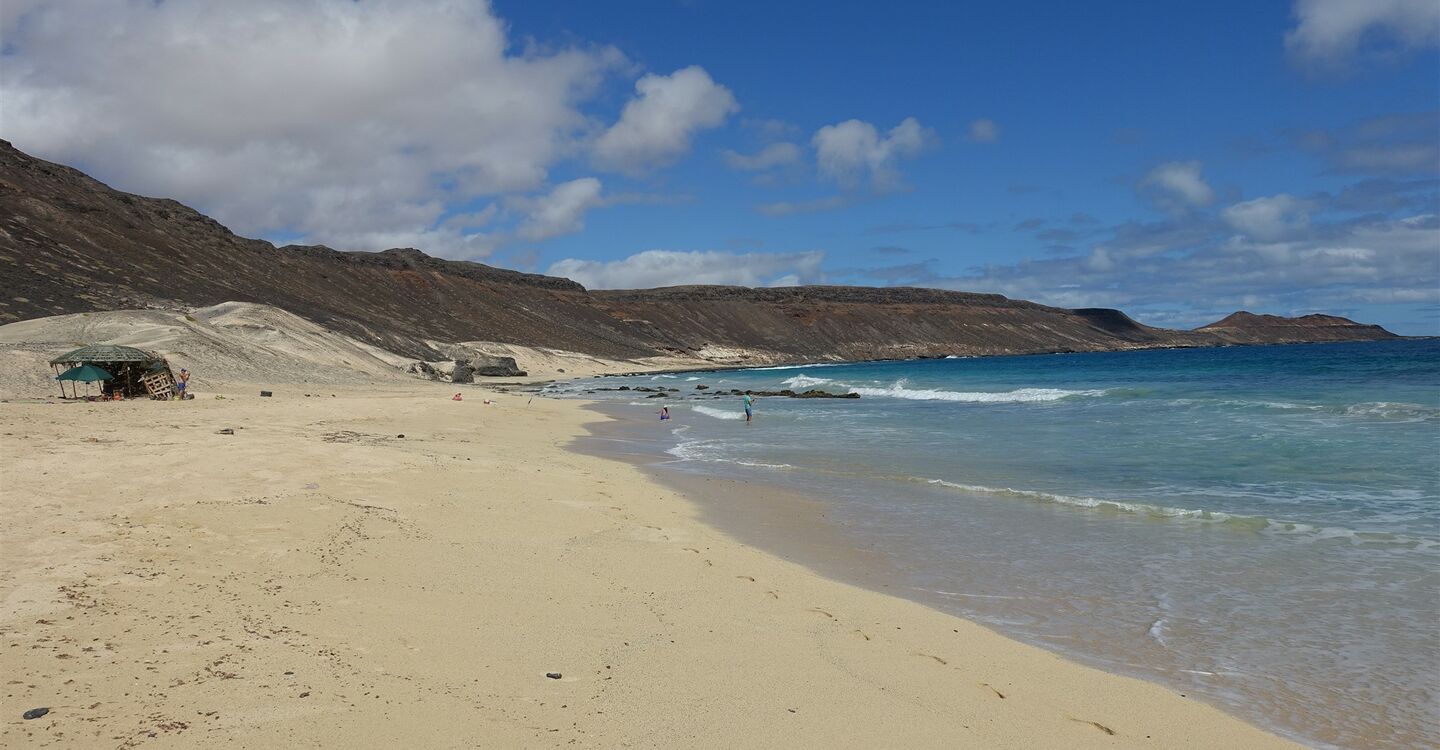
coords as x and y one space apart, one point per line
711 411
805 381
1389 410
900 389
796 367
1255 524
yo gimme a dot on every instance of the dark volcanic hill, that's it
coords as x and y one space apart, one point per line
69 243
1249 328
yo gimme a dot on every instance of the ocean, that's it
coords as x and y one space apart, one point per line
1257 527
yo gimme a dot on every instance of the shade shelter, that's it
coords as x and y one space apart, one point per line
82 374
131 371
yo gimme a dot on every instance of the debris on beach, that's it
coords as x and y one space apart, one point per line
35 713
553 675
226 431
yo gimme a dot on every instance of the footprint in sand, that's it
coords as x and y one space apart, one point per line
691 549
993 690
747 578
861 633
820 611
936 658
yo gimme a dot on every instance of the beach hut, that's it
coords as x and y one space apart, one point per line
131 371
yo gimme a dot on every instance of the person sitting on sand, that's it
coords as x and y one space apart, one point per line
749 405
182 383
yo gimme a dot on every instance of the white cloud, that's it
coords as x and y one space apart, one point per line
656 126
1180 180
1335 265
984 131
561 211
850 151
655 268
1269 219
774 155
352 124
786 208
1330 33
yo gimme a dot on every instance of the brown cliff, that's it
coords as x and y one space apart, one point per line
68 244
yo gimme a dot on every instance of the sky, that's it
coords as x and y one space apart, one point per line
1176 160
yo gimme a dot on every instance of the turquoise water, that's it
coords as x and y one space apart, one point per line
1258 525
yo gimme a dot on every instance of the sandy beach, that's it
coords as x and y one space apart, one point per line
317 580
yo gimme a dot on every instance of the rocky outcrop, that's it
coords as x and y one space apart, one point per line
70 244
497 367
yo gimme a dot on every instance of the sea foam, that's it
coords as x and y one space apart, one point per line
805 381
711 411
900 389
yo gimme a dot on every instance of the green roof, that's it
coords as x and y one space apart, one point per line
105 353
85 374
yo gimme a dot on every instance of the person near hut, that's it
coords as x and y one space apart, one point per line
182 383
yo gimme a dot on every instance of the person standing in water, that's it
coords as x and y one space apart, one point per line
749 406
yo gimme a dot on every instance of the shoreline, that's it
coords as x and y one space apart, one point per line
314 577
793 524
838 362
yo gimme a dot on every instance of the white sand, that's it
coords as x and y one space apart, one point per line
316 581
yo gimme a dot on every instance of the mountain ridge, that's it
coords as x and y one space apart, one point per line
69 243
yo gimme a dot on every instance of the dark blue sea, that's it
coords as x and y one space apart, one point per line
1256 526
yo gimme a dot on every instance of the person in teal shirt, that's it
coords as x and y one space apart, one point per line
749 406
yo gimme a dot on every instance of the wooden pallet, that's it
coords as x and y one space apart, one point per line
160 384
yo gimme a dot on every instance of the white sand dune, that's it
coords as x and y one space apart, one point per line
226 343
242 342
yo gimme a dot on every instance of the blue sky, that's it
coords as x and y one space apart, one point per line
1178 161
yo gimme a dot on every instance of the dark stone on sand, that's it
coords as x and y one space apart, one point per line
266 394
424 370
35 713
401 435
553 675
